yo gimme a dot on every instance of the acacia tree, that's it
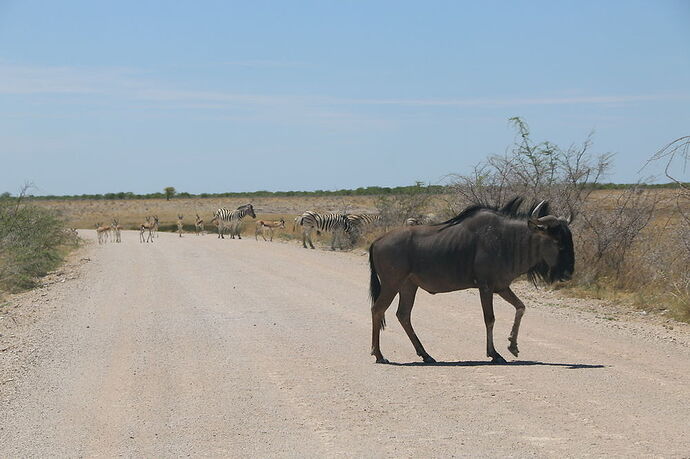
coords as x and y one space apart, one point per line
169 192
536 171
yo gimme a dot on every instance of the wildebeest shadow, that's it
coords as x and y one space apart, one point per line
515 363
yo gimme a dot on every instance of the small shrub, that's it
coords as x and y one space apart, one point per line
32 242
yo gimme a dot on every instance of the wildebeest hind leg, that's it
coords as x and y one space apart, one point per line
511 298
378 321
487 298
404 314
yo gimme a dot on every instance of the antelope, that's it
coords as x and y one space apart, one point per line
116 228
148 225
268 225
199 225
102 232
180 226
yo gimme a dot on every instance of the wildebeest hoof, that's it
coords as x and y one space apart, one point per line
428 359
514 350
382 360
498 359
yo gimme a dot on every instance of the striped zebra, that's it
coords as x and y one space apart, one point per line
362 220
232 219
427 219
332 222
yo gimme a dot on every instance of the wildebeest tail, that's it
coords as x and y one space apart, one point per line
374 283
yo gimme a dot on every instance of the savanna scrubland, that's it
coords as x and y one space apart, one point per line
632 244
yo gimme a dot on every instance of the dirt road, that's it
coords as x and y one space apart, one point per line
155 351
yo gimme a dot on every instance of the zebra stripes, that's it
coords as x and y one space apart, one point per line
232 219
332 222
361 220
421 220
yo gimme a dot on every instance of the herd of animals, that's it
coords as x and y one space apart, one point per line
229 222
482 247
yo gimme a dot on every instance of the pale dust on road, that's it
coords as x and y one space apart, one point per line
199 346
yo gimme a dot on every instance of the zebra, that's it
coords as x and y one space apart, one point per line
361 220
332 222
421 220
233 218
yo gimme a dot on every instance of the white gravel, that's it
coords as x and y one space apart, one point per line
199 346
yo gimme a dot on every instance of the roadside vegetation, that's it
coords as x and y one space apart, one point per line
632 241
33 241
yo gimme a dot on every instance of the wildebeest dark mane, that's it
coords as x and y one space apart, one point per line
511 210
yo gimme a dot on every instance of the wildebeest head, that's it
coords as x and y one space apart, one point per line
556 244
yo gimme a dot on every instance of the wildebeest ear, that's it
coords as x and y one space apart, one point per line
534 225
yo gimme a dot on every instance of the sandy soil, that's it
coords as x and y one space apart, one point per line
142 350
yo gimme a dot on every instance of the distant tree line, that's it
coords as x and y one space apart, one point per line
170 192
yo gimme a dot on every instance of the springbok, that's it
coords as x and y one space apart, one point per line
180 225
116 228
155 226
102 232
482 247
267 225
199 225
147 226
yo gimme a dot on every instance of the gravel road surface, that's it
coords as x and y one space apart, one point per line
237 348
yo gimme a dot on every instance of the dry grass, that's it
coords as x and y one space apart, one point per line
653 275
131 213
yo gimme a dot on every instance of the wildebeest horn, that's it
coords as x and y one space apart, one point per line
535 212
548 220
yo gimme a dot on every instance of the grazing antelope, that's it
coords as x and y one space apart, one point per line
180 225
148 226
199 225
233 218
267 225
116 228
333 223
102 232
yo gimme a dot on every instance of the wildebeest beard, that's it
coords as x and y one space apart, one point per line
565 262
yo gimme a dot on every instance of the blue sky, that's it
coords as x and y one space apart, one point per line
101 97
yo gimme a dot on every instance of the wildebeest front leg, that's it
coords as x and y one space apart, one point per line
404 314
487 298
511 298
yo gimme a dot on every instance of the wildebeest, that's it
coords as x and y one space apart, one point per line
482 247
